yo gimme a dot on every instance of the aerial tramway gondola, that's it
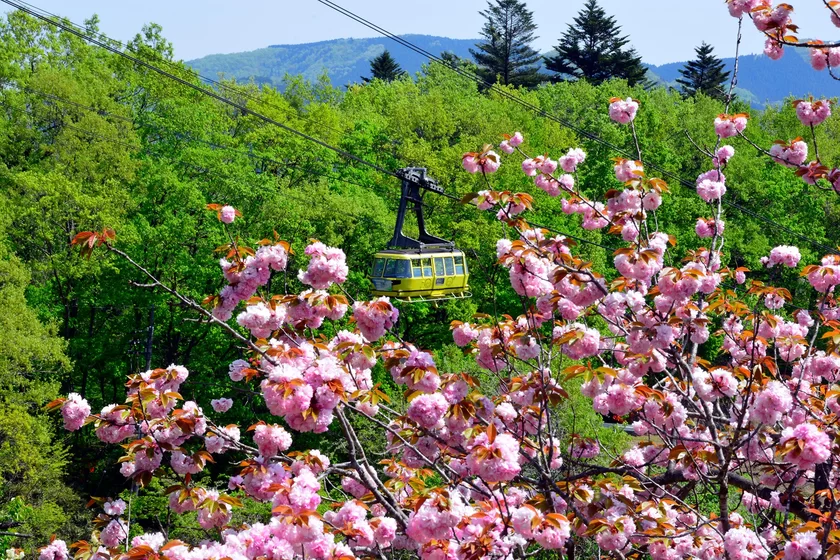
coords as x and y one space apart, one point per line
424 269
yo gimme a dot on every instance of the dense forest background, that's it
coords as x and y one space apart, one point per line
89 140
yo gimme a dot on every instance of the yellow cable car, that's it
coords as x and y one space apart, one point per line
426 276
424 269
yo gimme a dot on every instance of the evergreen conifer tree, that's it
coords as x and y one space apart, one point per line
704 75
506 51
384 67
592 49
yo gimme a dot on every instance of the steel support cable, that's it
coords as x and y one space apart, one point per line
582 132
170 63
244 109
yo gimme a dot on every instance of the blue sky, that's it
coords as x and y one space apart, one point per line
661 30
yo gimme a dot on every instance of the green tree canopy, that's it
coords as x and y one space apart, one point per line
593 49
506 53
705 74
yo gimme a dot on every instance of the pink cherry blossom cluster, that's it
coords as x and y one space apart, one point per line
327 266
246 276
785 255
375 317
623 111
791 154
727 126
708 228
510 143
75 411
812 113
486 162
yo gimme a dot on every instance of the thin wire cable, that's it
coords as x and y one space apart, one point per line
245 110
188 138
585 133
172 64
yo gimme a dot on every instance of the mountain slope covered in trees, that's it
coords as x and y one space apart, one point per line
344 60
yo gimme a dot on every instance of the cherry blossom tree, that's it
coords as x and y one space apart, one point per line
777 24
481 468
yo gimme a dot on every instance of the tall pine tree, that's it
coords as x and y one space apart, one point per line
384 67
592 49
704 75
506 51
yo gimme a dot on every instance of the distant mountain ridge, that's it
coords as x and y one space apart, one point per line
760 80
344 60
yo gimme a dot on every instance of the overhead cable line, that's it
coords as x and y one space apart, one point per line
210 93
563 122
180 136
105 43
159 59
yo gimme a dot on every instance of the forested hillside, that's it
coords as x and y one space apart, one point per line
343 60
758 77
90 140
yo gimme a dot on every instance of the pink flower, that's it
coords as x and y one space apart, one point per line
353 487
271 439
529 167
804 546
584 343
627 170
727 126
738 8
227 214
708 228
813 446
771 403
819 59
710 190
723 154
113 534
56 550
574 157
623 111
773 49
786 255
464 334
494 461
427 410
486 162
822 58
505 146
375 317
385 530
834 179
74 411
221 405
516 139
115 507
651 201
812 113
327 266
792 155
743 544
